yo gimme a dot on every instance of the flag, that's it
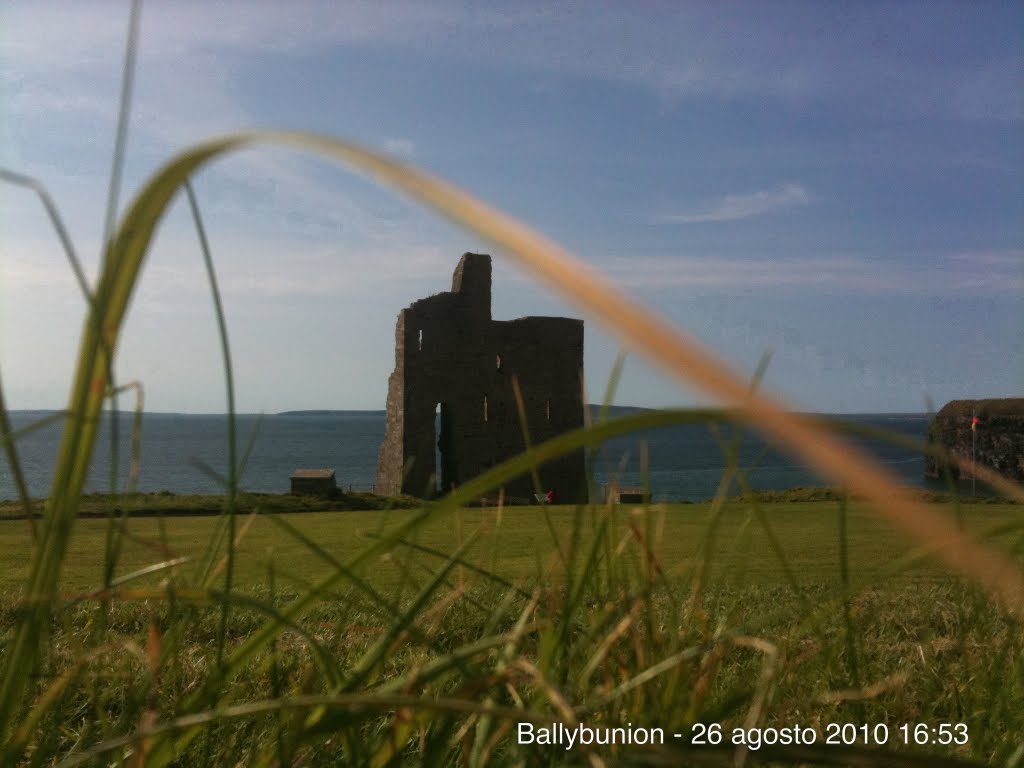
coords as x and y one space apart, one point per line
974 423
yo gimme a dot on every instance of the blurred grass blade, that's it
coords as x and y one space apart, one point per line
11 453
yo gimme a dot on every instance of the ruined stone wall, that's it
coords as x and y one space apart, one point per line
998 441
450 352
545 355
390 455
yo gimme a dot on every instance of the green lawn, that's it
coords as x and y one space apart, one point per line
516 543
619 642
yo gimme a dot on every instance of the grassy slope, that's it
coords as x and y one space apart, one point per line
518 546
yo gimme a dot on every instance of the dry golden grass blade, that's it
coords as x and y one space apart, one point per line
691 363
669 348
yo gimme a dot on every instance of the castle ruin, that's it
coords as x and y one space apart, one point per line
451 409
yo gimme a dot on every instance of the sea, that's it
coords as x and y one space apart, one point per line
187 454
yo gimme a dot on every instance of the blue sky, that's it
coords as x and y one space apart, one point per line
841 184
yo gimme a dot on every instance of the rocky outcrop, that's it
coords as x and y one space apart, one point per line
997 440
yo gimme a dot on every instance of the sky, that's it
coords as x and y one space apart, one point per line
840 185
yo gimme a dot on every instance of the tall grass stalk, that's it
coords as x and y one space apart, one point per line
113 205
11 453
229 381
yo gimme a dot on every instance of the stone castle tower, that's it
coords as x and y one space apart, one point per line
451 411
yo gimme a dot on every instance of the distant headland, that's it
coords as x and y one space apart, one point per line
990 432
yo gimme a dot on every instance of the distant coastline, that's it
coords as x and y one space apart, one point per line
594 407
327 412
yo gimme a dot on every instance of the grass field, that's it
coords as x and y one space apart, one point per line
515 543
736 615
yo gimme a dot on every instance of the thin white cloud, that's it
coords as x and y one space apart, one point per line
685 49
735 207
36 277
829 274
399 146
35 262
1010 258
746 273
251 268
679 56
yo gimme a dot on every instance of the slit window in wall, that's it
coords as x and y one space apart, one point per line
419 340
485 407
547 409
497 362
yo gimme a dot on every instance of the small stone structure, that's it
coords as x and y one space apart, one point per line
314 482
451 409
631 494
996 442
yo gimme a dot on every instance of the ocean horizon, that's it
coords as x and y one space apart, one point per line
186 453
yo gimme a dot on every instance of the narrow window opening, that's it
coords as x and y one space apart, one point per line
547 409
445 459
439 450
485 407
421 340
498 361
